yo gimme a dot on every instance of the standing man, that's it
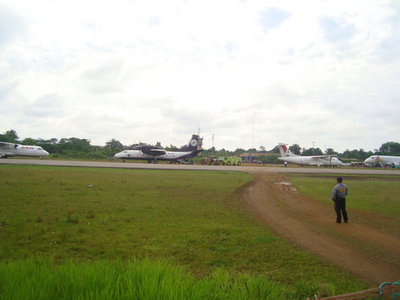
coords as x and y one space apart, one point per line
339 194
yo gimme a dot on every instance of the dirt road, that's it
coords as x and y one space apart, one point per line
369 249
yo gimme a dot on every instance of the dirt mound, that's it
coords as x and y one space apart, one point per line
358 247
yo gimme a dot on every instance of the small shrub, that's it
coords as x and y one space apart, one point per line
72 219
89 215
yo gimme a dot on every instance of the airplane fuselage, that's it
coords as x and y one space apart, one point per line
383 160
169 155
11 149
312 161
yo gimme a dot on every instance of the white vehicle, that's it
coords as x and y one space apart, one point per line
154 153
313 160
383 161
11 149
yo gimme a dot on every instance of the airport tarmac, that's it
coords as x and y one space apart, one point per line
163 166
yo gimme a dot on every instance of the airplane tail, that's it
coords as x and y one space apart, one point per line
284 150
195 144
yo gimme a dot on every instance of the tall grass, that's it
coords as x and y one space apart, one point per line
41 279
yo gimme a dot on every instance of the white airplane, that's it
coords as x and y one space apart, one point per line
383 160
11 149
313 160
154 153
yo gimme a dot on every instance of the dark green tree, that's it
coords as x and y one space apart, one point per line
356 154
9 136
270 159
252 150
330 151
390 148
312 151
113 146
172 148
239 151
74 144
29 141
275 150
295 148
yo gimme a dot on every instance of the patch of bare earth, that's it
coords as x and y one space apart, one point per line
370 249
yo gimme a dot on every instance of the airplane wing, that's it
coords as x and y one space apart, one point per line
322 156
154 151
182 161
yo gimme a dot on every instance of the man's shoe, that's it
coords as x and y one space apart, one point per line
346 221
338 222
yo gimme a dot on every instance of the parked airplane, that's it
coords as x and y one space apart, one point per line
154 153
11 149
313 160
383 160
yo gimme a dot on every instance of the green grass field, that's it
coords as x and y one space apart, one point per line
375 194
55 220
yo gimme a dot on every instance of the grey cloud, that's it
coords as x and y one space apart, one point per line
103 88
11 25
49 105
388 50
382 112
229 47
184 117
105 78
6 89
98 125
290 52
40 118
187 118
154 21
273 18
337 30
108 70
278 95
285 62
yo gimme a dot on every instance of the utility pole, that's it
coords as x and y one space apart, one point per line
252 133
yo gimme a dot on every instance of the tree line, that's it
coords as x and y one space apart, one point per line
82 149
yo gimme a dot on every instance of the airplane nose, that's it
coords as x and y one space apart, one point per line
369 160
45 152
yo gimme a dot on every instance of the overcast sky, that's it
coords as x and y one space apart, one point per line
251 73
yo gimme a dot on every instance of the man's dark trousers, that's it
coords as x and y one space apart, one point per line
340 208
